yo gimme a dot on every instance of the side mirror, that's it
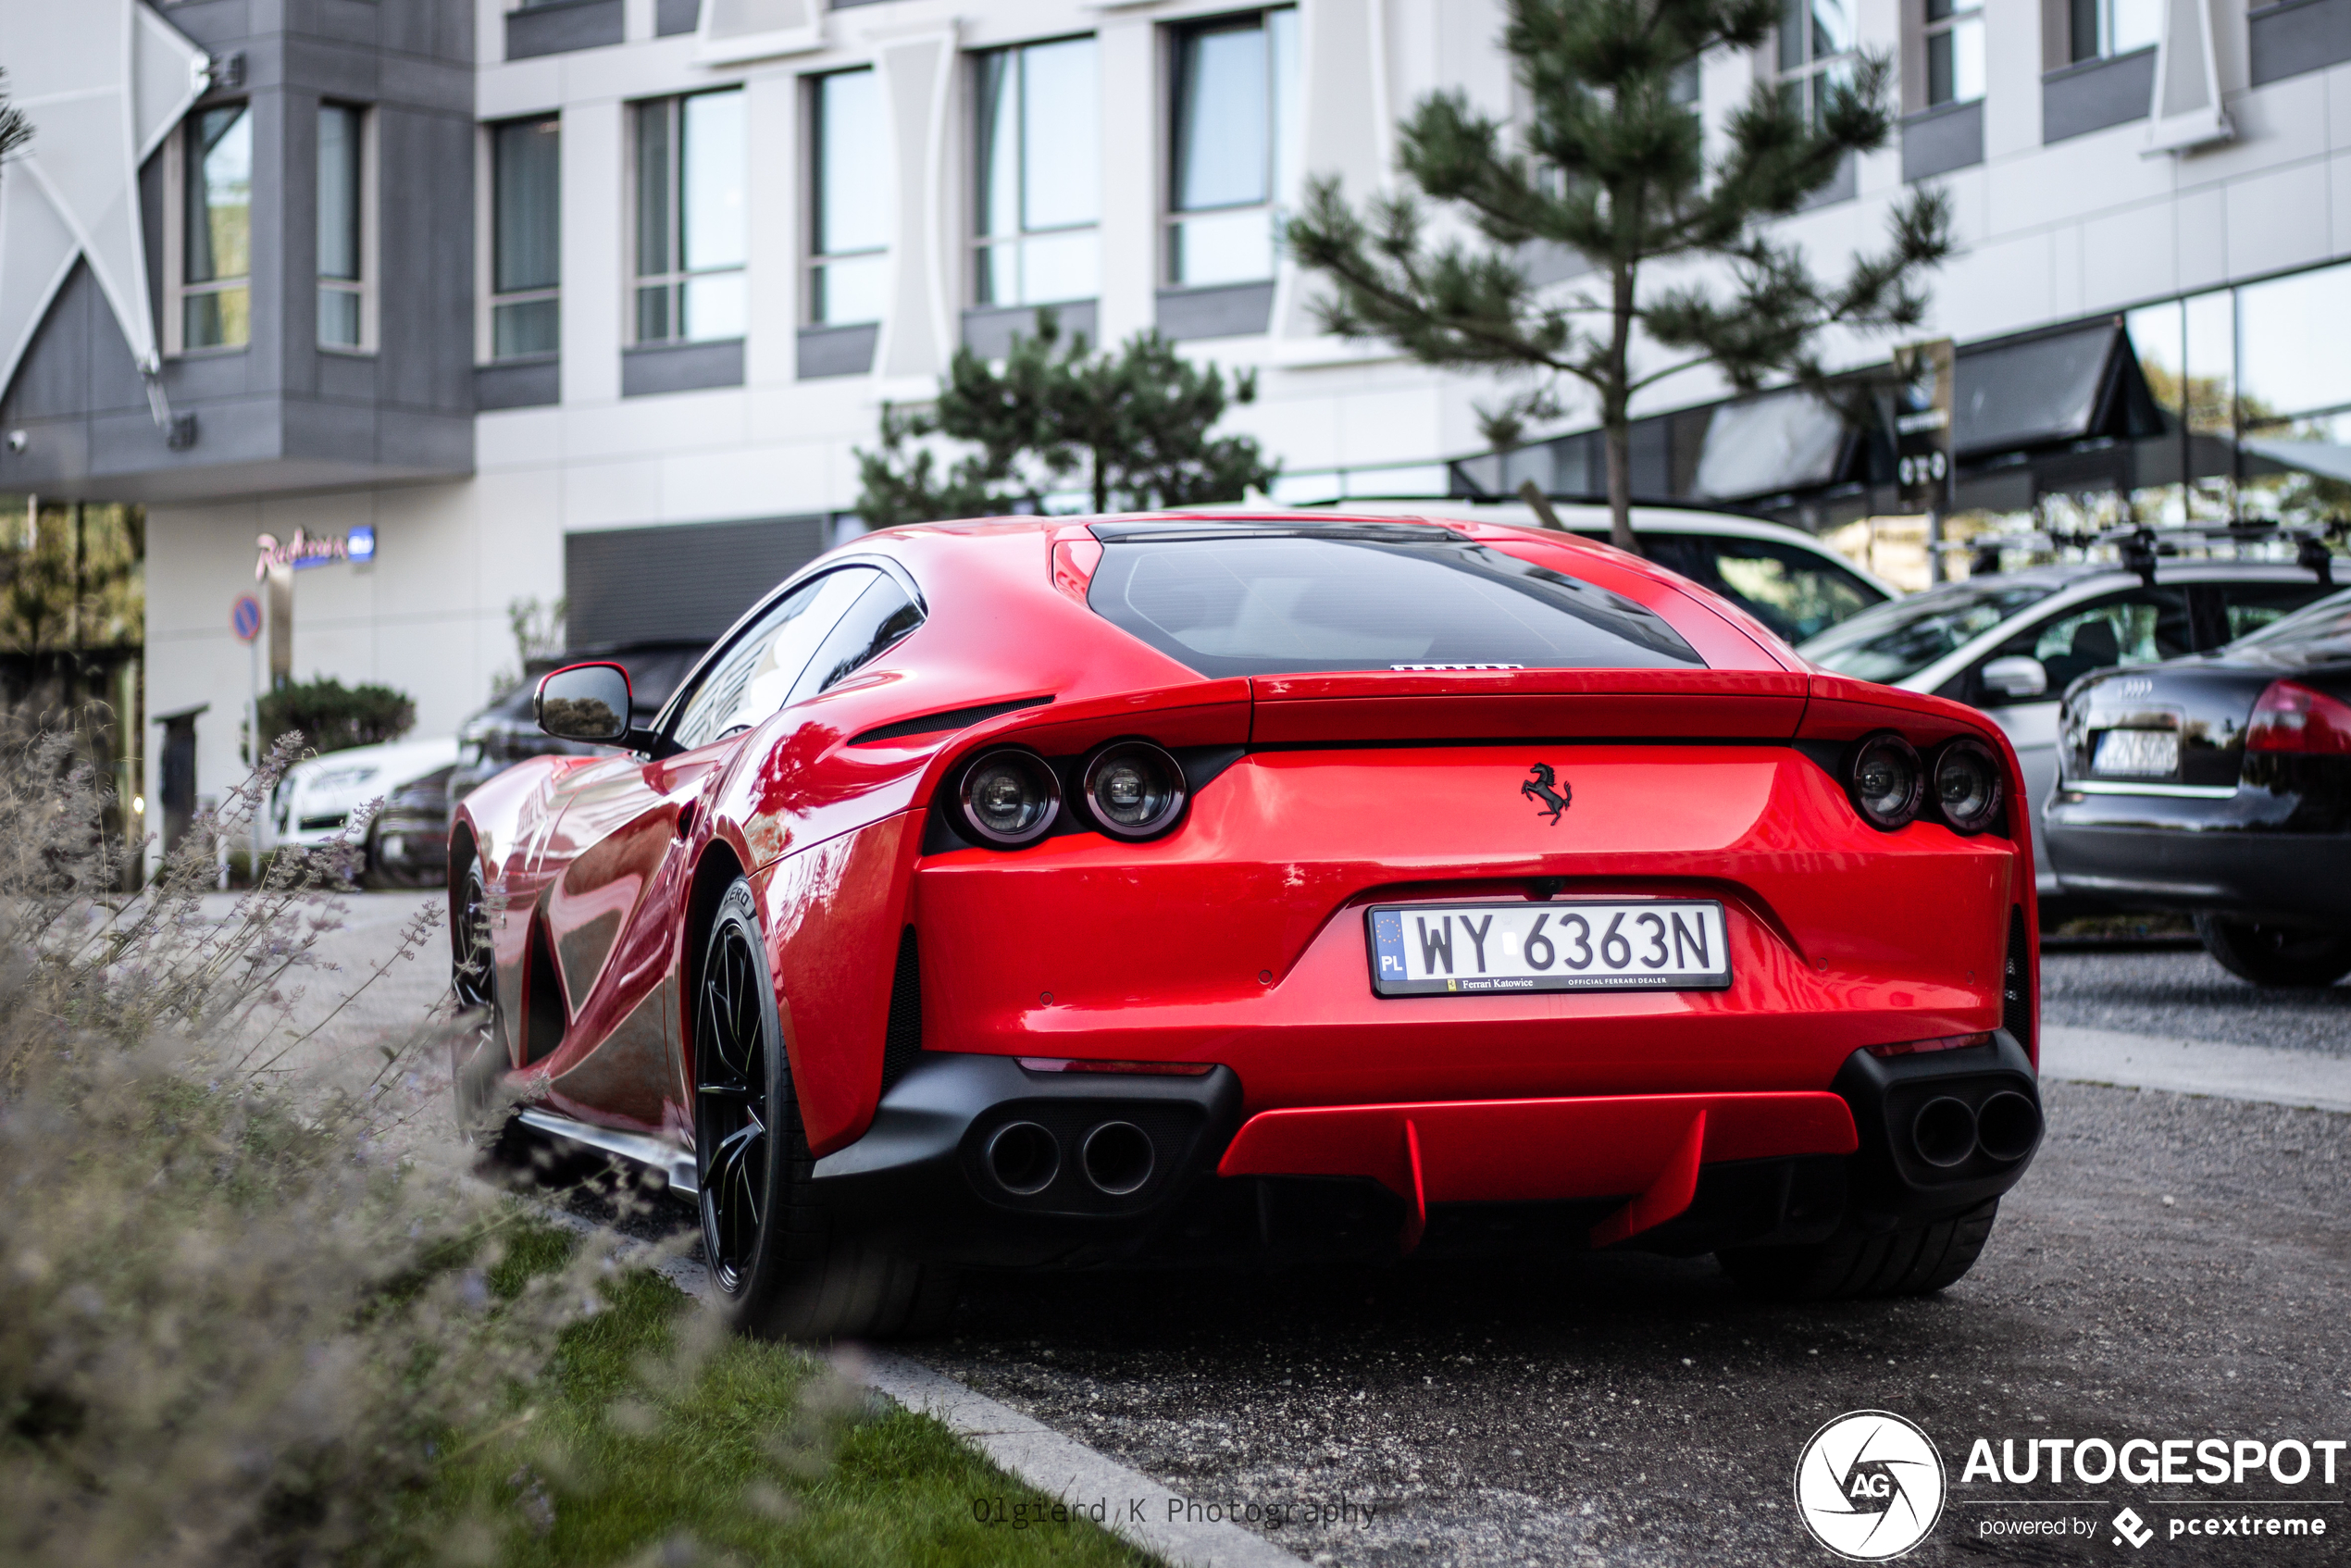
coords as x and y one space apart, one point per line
2016 676
584 702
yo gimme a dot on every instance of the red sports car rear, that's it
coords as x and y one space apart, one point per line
1227 889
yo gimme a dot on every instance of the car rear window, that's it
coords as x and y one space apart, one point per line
2319 631
1387 599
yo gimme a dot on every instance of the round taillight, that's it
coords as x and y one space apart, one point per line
1134 789
1967 785
1886 780
1010 798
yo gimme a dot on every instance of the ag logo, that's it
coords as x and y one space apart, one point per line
1868 1486
1543 787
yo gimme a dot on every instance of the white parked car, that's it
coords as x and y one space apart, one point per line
318 800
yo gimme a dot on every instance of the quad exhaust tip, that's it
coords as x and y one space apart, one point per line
2007 1126
1024 1158
1117 1158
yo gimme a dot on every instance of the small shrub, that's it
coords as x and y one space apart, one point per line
244 1310
336 717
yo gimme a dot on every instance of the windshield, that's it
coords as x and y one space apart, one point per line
2317 632
1283 604
1900 638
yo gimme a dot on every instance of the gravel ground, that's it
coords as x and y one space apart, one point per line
2172 1267
2183 994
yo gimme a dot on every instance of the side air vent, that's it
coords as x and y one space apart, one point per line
903 1036
2016 1006
544 1014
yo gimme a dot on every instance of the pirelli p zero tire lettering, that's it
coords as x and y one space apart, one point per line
1914 1260
781 1271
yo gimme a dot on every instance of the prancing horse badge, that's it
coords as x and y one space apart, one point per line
1544 788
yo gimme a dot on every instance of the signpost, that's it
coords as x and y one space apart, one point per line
245 619
1922 462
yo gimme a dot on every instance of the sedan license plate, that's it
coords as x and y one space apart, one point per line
1470 949
2139 754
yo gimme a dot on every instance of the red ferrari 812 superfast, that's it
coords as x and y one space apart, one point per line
1206 889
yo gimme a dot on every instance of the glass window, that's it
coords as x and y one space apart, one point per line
1285 605
216 299
692 181
1038 181
2140 627
850 233
2294 345
1954 51
753 678
1902 637
1236 146
882 616
2246 607
525 245
1794 591
1815 52
2105 27
2322 630
340 316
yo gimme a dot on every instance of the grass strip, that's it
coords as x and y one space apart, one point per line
651 1438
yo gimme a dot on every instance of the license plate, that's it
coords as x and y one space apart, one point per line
1473 950
2143 754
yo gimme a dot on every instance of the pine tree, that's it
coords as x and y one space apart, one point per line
1611 163
15 130
1132 426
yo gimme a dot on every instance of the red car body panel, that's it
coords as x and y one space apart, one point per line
1239 938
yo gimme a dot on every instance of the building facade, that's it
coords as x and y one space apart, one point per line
599 297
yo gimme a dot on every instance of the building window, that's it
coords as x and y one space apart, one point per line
342 180
1954 51
1038 185
2106 28
1236 146
216 305
526 247
849 231
692 178
1815 52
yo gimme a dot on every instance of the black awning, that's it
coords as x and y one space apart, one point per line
1771 445
2050 390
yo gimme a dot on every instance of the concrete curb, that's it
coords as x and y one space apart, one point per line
1133 1505
2261 1073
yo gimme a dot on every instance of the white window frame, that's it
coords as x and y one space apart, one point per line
486 298
370 237
673 105
811 160
1176 30
176 289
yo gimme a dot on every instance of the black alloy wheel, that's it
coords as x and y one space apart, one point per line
479 1050
781 1270
2275 955
734 1097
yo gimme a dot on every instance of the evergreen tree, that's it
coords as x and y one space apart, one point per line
1611 163
1131 426
15 130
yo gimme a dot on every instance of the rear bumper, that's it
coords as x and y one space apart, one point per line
2282 876
1676 1173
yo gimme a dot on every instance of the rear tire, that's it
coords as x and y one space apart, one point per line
781 1269
1909 1261
2275 955
479 1058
